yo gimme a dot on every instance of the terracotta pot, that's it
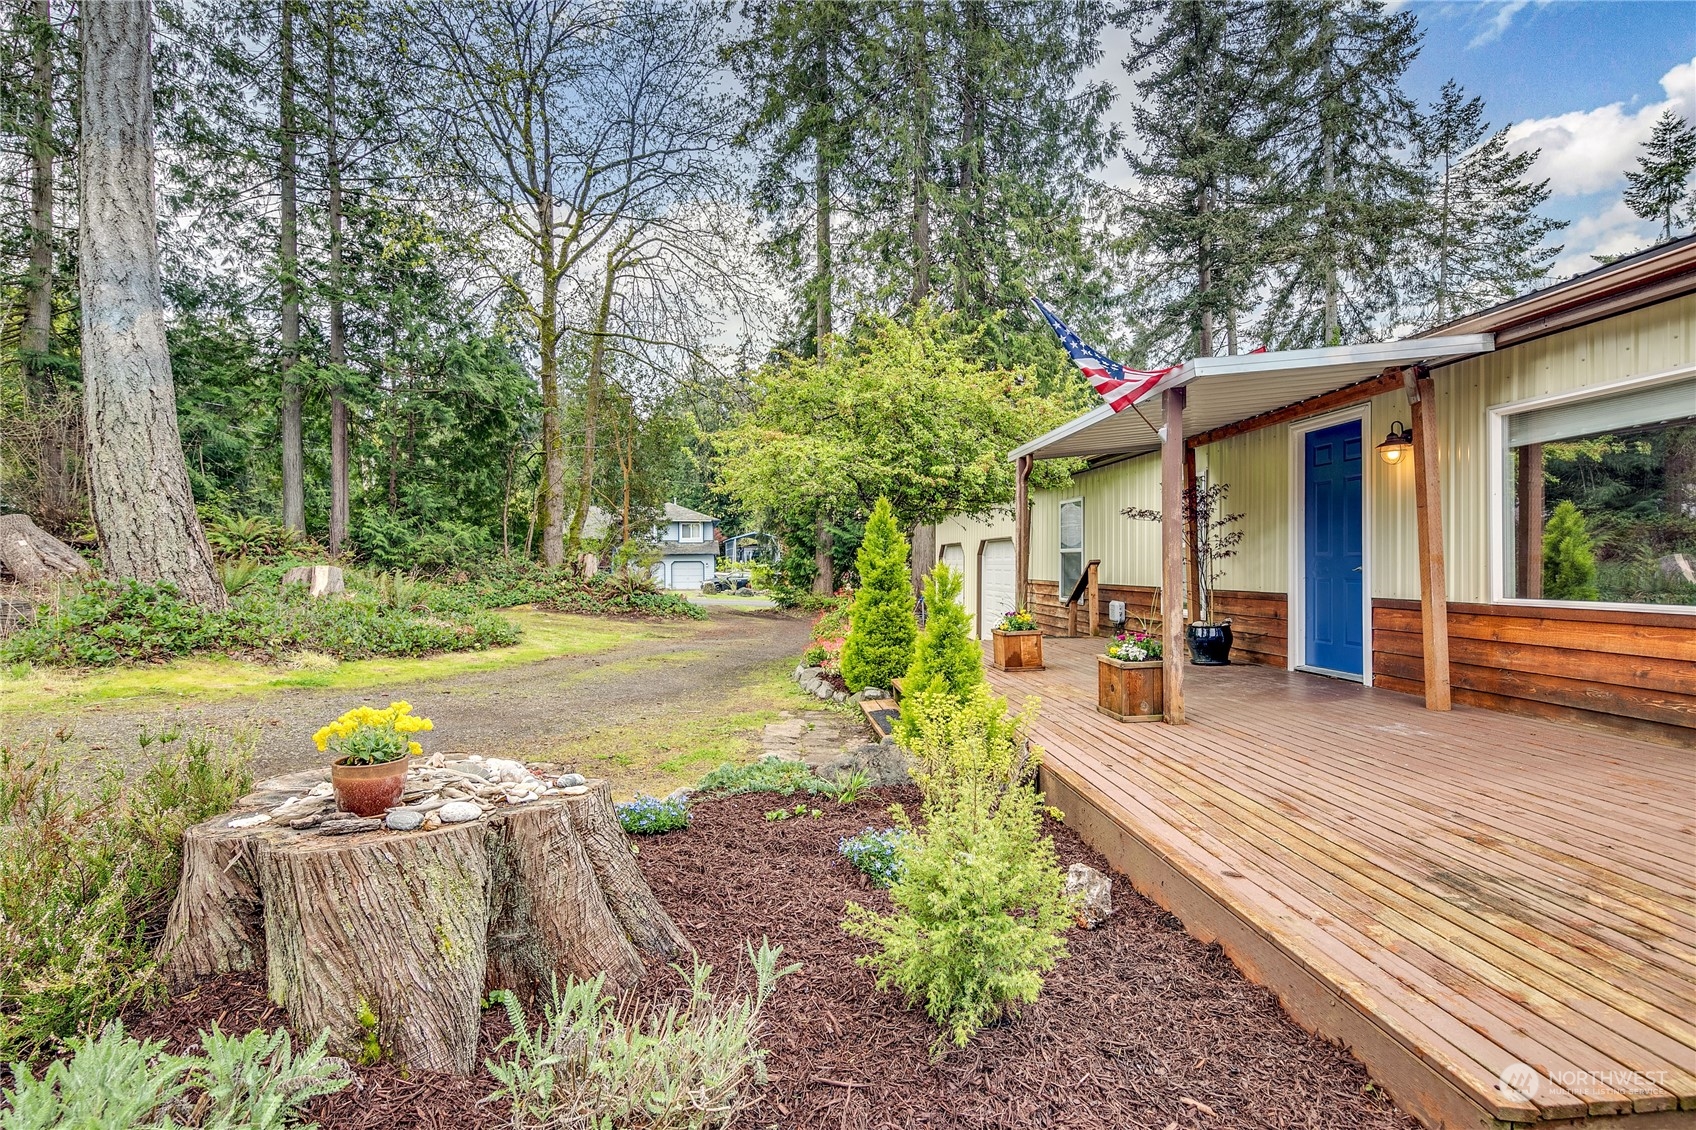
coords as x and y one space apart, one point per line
367 790
1130 692
1017 651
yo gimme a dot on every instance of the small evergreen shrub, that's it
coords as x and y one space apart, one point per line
980 898
876 853
767 775
586 1064
116 1082
87 876
651 816
879 646
946 657
1569 556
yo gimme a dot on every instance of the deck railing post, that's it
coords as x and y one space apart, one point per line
1428 506
1172 555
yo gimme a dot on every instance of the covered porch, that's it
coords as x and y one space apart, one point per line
1497 914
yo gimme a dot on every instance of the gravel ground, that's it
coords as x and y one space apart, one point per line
534 711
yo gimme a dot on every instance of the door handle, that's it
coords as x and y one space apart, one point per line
1357 568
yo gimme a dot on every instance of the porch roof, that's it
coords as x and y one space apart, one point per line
1225 390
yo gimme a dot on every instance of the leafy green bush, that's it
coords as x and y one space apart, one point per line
116 1082
651 816
767 775
945 656
877 854
980 899
879 647
503 584
106 622
1569 556
689 1068
86 880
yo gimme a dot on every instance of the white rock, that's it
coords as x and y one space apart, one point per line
569 779
323 789
512 772
403 819
251 821
458 812
1095 891
574 790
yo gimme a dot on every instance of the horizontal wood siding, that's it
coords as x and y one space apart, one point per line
1631 671
1260 625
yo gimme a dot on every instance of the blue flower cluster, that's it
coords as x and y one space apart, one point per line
650 816
876 853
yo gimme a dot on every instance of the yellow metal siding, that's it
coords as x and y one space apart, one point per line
970 534
1045 533
1256 465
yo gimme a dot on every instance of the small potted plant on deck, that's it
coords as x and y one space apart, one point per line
373 748
1211 537
1130 684
1018 642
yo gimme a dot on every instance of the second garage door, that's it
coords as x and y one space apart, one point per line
995 584
687 574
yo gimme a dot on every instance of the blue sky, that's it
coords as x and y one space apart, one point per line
1581 80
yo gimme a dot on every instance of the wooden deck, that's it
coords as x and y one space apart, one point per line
1450 895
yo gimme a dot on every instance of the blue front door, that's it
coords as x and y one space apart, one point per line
1335 627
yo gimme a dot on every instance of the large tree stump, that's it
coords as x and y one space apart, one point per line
416 926
33 555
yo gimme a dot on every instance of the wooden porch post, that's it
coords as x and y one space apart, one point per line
1022 532
1528 492
1192 559
1172 555
1428 502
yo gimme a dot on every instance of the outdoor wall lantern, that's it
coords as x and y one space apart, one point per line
1398 445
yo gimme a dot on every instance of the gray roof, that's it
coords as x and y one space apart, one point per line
676 513
689 548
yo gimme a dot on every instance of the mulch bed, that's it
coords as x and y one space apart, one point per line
1141 1026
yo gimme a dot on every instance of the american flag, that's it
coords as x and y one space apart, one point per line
1117 385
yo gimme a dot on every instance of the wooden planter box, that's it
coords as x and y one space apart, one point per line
1130 692
1017 651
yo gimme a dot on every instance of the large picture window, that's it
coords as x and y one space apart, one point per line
1599 497
1071 545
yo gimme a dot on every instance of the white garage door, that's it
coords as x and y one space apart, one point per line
955 558
995 583
687 574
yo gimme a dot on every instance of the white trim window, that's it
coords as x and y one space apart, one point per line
689 531
1594 496
1071 545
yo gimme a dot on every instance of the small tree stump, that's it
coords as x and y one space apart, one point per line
33 555
416 926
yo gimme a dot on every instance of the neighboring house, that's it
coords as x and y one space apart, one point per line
1413 567
688 544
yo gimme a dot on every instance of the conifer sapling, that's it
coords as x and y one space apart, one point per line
879 647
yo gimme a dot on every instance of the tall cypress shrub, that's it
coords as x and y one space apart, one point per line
1569 557
879 647
946 658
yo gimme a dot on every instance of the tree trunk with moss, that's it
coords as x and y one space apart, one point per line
390 941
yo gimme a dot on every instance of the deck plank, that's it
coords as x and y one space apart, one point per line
1484 888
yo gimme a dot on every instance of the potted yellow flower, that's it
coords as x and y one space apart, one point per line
1018 642
372 749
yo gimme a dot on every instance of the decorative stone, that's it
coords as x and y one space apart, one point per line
403 819
432 821
1096 891
883 765
567 780
459 812
874 693
574 790
251 821
349 826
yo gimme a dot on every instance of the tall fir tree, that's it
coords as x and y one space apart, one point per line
1659 188
1343 191
1480 238
1203 126
879 647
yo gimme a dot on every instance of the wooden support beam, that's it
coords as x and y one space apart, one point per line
1192 558
1528 530
1428 502
1022 532
1387 381
1172 553
1093 572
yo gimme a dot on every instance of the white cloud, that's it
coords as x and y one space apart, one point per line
1587 151
1613 230
1499 22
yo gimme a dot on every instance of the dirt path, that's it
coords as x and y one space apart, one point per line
537 710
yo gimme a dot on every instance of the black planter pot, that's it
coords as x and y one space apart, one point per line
1210 644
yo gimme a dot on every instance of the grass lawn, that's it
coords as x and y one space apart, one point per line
546 636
